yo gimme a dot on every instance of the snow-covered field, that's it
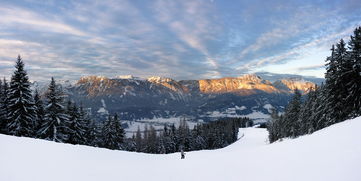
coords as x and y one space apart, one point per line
332 154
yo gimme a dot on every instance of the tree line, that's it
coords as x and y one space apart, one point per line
212 135
338 99
50 117
54 117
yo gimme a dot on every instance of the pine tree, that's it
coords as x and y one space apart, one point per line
274 126
353 74
4 89
93 136
77 125
291 116
169 141
113 133
21 110
335 86
138 140
304 121
320 113
39 111
119 130
2 115
145 139
152 140
55 123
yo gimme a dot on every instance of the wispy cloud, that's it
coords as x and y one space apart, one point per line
14 16
311 67
187 39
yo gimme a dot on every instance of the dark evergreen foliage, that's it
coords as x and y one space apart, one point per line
55 125
39 112
21 109
4 104
77 125
112 134
212 135
337 100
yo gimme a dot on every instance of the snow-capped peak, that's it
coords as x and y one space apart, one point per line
157 79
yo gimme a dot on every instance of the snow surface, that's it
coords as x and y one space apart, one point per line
332 154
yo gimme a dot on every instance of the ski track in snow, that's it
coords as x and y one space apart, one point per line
332 154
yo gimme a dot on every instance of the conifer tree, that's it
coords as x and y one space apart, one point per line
335 86
119 130
304 121
2 115
273 126
152 140
291 115
93 136
77 125
138 140
4 107
354 74
113 133
39 110
21 110
55 123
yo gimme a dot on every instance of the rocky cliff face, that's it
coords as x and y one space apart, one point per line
294 83
244 85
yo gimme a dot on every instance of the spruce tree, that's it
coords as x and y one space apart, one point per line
77 125
138 140
304 121
93 136
291 115
39 110
55 123
2 114
335 86
113 133
274 126
4 107
354 74
119 130
21 110
152 140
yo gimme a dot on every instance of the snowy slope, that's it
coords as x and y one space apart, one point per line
332 154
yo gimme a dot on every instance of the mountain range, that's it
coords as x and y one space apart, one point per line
136 99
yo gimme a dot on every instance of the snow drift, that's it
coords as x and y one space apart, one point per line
333 153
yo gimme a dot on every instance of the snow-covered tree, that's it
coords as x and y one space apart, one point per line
113 133
304 121
39 110
21 110
291 116
274 126
335 85
4 89
168 140
77 125
138 140
353 74
92 134
55 120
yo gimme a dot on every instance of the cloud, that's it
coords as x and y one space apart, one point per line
300 50
193 24
15 16
311 67
179 39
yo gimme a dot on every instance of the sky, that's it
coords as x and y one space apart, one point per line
181 39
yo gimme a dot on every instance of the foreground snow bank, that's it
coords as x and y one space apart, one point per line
330 154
